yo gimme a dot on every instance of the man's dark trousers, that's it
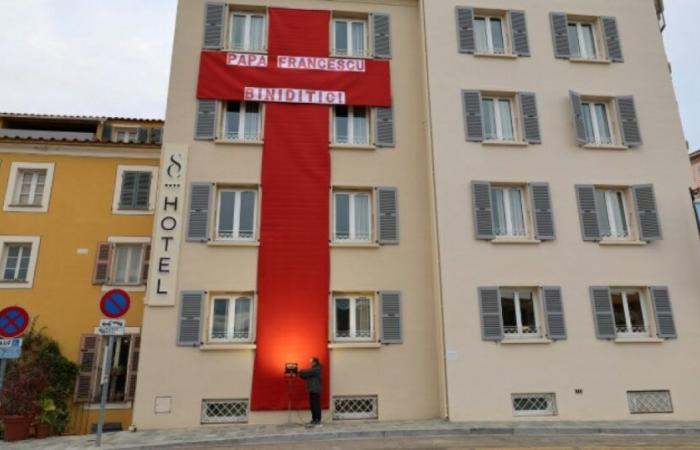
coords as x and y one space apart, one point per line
315 402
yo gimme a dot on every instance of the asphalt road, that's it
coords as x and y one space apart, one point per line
486 442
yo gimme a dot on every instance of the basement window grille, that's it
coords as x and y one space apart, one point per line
649 402
534 404
224 411
355 407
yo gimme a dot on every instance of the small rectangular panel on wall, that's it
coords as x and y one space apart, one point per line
168 226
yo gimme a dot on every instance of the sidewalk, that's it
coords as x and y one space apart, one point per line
260 434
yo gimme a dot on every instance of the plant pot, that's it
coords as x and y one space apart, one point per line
16 427
42 430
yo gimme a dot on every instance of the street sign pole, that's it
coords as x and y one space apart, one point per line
3 368
104 381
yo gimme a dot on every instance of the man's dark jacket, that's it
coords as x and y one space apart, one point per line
313 379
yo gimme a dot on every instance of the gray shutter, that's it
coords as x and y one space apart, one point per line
661 301
214 16
127 197
474 129
647 212
629 124
388 215
189 327
381 32
542 214
490 312
560 35
577 110
142 190
588 212
465 29
603 312
554 313
612 39
384 122
483 210
143 135
156 136
530 118
391 317
200 205
205 125
518 28
106 132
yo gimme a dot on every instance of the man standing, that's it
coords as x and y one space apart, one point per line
313 386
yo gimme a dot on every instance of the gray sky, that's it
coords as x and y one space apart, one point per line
112 57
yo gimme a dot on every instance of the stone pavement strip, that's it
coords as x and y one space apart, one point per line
270 434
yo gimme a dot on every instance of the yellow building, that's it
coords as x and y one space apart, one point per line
77 199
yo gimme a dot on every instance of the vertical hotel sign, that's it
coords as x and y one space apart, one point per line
165 249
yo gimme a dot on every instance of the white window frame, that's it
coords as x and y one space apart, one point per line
118 190
612 192
352 238
581 41
628 320
232 299
499 122
242 112
12 185
236 214
246 32
351 53
131 130
489 34
351 127
593 117
520 334
34 241
353 313
124 240
510 228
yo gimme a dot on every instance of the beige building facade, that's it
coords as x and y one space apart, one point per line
504 239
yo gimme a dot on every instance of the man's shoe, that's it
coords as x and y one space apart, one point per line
318 425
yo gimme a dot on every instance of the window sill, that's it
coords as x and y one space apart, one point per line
15 284
236 142
621 242
502 241
638 340
495 55
133 212
233 243
344 345
26 208
590 61
496 143
605 147
127 288
226 347
525 341
241 50
354 245
109 405
352 147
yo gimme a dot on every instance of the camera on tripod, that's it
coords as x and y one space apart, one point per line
291 370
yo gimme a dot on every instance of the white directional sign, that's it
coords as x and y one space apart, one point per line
10 348
111 327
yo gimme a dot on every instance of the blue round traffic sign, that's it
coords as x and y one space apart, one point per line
115 303
13 321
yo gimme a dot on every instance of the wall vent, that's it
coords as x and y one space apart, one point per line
355 407
224 411
534 404
649 402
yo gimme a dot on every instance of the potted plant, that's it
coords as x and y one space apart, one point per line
47 417
19 397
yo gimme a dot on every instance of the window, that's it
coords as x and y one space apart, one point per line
231 319
125 135
352 217
355 407
224 411
489 34
630 313
534 404
135 191
498 118
236 217
29 187
128 262
650 402
612 214
582 40
596 122
16 262
509 211
351 125
519 313
697 210
352 318
247 32
349 38
242 121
